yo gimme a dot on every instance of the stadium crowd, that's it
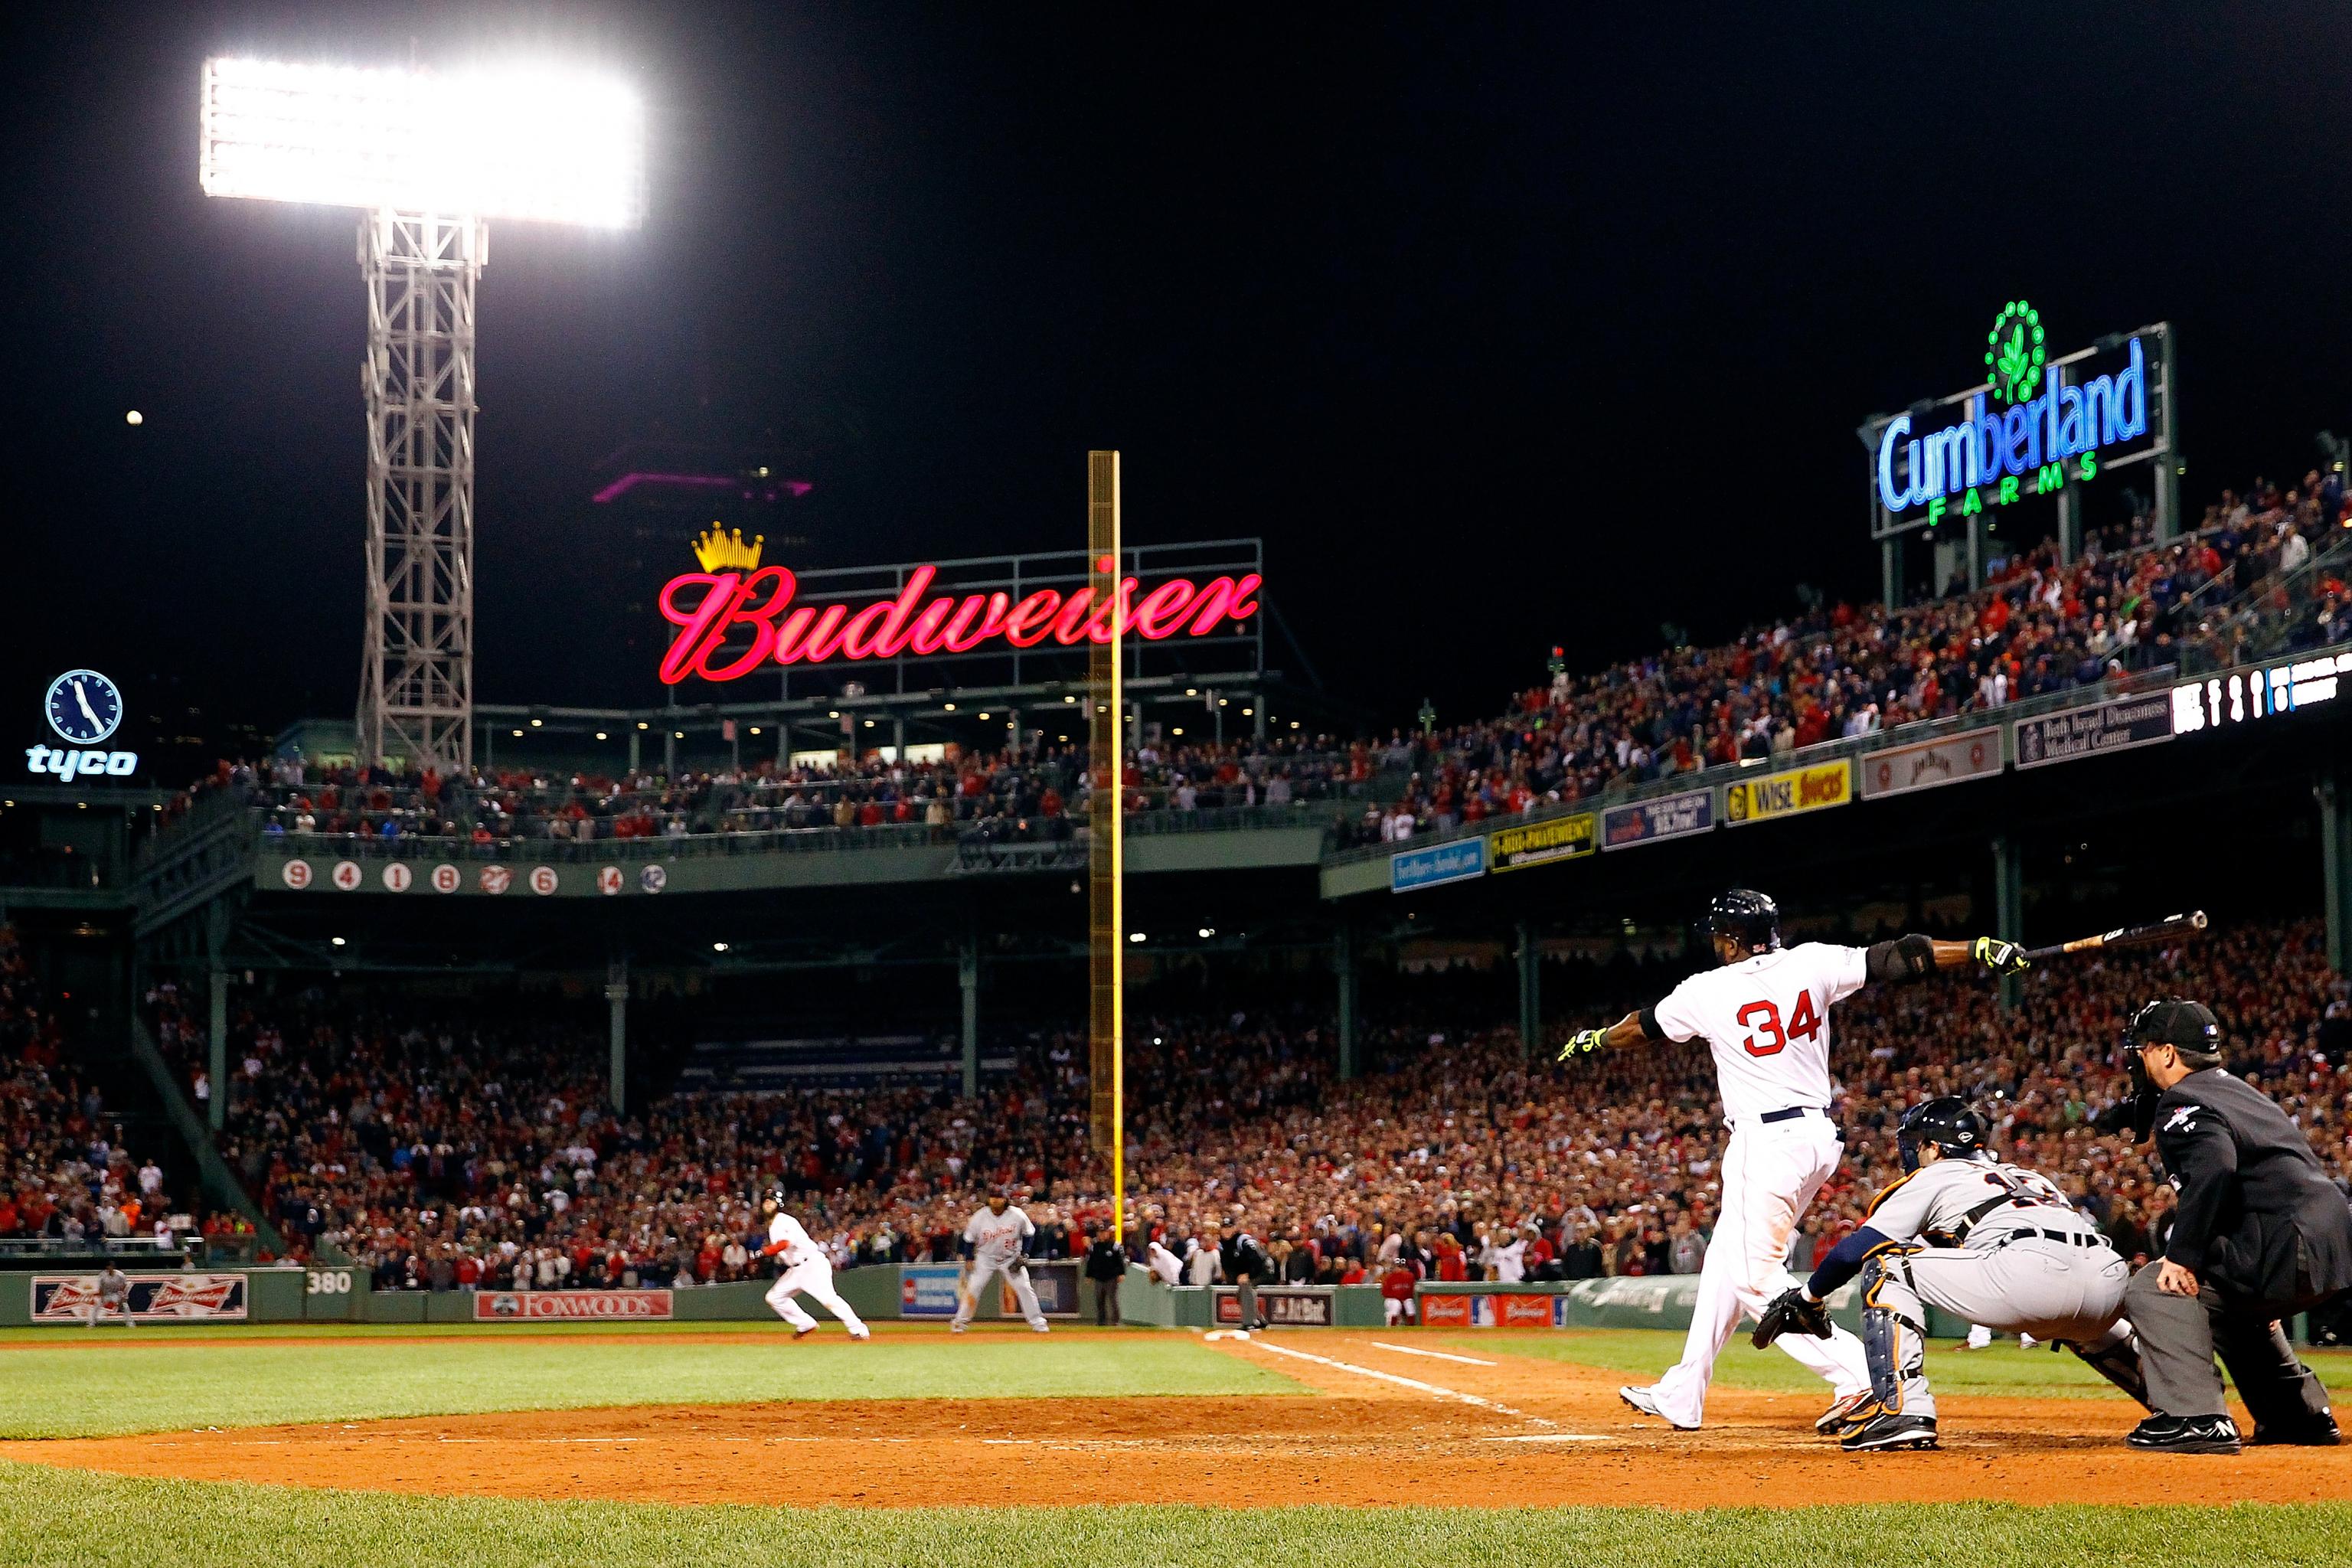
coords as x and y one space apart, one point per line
957 794
1840 672
462 1149
65 1174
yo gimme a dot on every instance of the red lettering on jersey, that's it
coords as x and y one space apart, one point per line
1806 1024
1767 1016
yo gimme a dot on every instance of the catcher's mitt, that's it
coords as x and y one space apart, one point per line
1792 1312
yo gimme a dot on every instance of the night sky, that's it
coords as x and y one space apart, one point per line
1504 326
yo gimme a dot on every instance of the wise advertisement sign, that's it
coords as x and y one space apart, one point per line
1791 793
1542 843
153 1299
571 1306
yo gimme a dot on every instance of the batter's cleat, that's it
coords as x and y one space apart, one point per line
2319 1433
2186 1434
1645 1400
1890 1429
1844 1412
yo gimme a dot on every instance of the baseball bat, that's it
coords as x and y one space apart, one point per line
2126 936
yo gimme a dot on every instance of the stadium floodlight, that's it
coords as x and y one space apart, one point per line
427 157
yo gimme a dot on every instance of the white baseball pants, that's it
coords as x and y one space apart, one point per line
1016 1274
816 1276
1770 1172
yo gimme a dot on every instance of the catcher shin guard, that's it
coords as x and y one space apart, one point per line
2115 1356
1894 1336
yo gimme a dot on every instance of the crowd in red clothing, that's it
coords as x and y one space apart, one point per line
471 1149
64 1172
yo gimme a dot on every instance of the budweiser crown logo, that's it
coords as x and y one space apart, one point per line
727 552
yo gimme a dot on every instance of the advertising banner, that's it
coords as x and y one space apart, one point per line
1056 1284
1650 821
154 1298
1790 794
1525 1312
1285 1306
1446 1311
1955 759
927 1289
1541 843
2116 726
1412 869
570 1306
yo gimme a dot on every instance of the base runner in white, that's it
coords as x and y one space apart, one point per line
1998 1244
993 1239
806 1268
1764 1013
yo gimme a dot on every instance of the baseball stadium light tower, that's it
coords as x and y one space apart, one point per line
427 157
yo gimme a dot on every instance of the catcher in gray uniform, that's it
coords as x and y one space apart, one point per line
1989 1243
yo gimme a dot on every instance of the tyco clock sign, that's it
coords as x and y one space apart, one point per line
83 708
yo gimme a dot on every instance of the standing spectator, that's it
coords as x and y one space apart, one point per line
1106 1266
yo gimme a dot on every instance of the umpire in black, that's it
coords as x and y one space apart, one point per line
2260 1233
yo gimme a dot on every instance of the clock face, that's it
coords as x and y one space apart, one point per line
83 707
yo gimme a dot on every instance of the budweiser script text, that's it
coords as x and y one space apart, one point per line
708 608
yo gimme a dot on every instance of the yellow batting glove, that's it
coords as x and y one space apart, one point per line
2002 957
1581 1041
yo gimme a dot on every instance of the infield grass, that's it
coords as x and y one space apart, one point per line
75 1520
162 1384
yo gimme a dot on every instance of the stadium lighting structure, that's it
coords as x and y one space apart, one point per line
427 158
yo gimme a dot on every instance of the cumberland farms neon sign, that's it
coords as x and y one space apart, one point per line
2029 432
734 594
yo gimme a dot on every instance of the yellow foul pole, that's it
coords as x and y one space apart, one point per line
1107 900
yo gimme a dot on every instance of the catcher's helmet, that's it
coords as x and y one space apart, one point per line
1748 916
1948 1122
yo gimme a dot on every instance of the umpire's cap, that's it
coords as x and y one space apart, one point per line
2189 1028
1948 1122
1748 916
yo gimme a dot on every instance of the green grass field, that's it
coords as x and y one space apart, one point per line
74 1383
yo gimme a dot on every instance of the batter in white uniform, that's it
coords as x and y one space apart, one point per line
1764 1013
992 1237
806 1268
1998 1244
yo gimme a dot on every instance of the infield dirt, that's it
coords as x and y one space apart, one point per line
1520 1432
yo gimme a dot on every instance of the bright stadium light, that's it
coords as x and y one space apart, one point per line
537 143
427 157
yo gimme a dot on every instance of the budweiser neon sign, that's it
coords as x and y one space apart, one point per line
735 596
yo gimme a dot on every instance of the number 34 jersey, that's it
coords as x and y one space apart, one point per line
1767 1019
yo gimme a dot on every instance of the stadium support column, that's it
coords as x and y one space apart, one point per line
2335 846
2070 526
968 977
1530 991
216 1058
616 1000
1343 965
1890 572
2008 907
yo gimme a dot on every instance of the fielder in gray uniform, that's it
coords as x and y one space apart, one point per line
1989 1243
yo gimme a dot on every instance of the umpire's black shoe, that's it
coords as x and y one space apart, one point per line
1890 1429
2186 1434
2319 1433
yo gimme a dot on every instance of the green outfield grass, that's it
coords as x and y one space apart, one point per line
65 1518
2000 1368
153 1383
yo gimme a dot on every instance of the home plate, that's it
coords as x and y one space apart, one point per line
1553 1438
